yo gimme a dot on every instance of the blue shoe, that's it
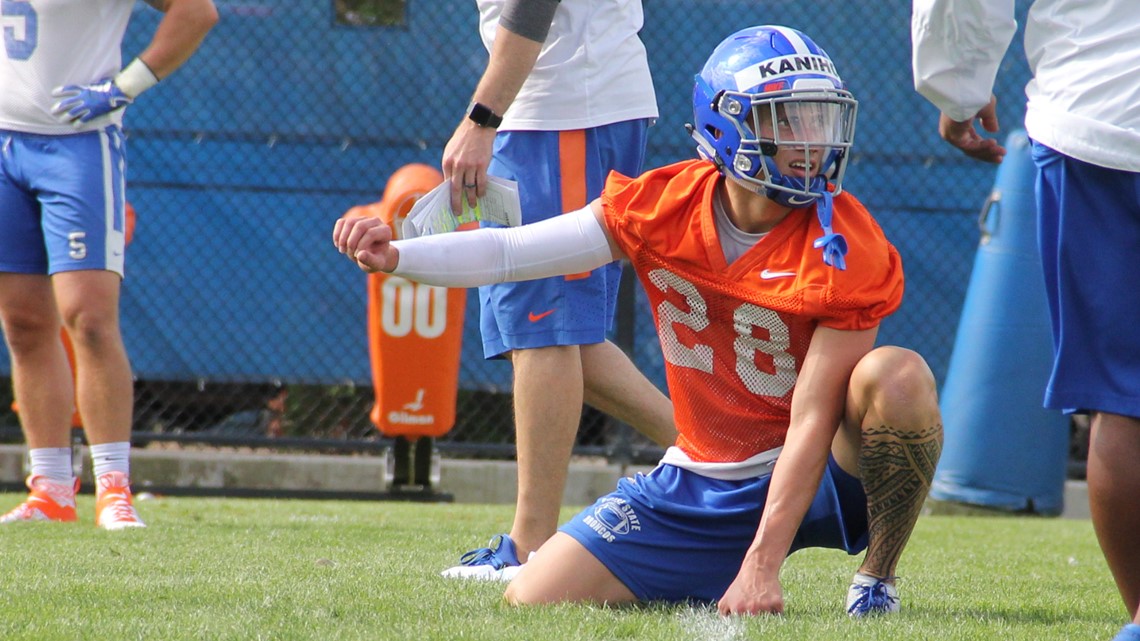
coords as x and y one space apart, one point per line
497 562
869 596
1130 632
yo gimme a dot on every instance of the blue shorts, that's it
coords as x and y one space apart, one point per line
674 535
558 172
1089 231
62 204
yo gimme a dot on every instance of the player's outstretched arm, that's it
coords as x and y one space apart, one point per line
567 244
367 241
178 36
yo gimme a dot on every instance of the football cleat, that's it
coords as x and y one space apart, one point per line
869 596
497 562
113 508
48 500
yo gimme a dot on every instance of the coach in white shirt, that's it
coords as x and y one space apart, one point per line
1083 117
566 97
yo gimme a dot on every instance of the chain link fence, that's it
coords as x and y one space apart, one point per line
244 323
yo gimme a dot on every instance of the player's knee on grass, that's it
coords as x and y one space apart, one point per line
523 592
563 571
530 590
513 595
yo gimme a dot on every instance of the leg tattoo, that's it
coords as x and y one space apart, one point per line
897 467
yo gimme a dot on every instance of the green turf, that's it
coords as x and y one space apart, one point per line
263 569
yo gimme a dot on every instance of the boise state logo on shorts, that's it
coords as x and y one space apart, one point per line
613 516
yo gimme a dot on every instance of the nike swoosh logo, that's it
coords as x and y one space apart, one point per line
534 318
769 275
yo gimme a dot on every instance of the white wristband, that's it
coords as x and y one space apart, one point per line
136 78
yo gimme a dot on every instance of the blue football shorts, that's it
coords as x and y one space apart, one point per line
558 172
62 203
674 535
1089 230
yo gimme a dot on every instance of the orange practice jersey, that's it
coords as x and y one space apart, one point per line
734 336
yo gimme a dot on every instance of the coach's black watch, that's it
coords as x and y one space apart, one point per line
482 115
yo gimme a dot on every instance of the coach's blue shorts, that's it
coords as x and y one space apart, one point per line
1089 230
674 535
62 204
558 172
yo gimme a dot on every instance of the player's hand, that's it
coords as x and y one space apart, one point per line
752 593
80 104
964 136
465 161
367 242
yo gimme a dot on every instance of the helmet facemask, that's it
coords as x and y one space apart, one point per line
815 123
769 91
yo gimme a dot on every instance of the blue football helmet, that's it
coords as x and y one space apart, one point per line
767 88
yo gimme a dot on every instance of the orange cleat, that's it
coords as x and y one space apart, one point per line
113 508
49 500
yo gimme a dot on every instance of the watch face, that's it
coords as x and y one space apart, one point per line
480 114
483 116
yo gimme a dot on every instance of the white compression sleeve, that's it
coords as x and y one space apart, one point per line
566 244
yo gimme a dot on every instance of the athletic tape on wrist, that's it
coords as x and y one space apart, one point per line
136 78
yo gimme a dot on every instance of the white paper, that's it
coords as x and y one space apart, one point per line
432 213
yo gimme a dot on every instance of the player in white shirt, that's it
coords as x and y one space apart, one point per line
1083 117
62 232
565 98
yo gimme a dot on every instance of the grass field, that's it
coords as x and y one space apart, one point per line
265 569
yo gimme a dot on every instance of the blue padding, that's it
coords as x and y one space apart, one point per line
1003 449
220 286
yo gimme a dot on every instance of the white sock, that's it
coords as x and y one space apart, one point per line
111 457
864 579
52 462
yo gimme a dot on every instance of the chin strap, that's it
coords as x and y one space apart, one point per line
834 245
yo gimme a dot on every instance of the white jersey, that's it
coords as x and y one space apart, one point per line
51 43
592 69
1085 60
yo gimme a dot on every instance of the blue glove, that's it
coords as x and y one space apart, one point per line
81 104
